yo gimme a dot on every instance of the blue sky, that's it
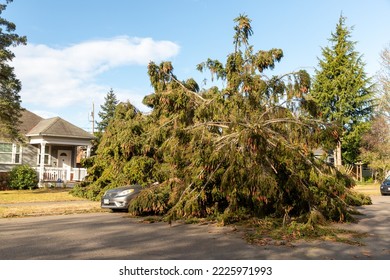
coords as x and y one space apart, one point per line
79 49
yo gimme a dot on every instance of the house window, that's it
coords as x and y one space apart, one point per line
47 155
10 153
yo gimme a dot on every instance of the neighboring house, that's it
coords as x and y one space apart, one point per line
327 156
52 146
358 170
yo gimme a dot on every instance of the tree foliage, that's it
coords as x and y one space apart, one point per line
384 84
343 91
10 86
238 151
375 150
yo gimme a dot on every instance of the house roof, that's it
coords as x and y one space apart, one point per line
59 128
28 120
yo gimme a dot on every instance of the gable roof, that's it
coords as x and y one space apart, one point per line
60 128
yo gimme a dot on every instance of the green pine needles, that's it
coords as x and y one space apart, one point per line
10 86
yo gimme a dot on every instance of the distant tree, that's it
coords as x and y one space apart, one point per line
107 111
375 148
343 93
10 86
384 84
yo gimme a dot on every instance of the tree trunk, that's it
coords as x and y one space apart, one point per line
337 155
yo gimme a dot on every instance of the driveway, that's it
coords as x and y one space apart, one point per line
115 236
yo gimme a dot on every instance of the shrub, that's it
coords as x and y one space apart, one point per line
369 180
4 178
23 177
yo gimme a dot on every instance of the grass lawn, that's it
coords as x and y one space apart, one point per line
20 203
368 188
39 195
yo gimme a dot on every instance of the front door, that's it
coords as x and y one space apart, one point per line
64 158
64 162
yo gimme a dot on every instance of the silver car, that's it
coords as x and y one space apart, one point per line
119 198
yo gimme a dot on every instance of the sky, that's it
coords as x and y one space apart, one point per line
78 50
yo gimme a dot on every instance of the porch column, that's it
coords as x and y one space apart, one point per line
89 151
42 162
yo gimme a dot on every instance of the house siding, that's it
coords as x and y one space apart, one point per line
29 157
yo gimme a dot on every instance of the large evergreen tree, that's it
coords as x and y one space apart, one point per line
10 86
107 110
343 93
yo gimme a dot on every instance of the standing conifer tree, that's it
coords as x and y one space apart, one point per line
107 110
9 85
343 93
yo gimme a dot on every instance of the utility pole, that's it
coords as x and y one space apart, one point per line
93 118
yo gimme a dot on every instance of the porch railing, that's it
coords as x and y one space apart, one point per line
54 174
78 174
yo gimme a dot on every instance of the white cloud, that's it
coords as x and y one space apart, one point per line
60 77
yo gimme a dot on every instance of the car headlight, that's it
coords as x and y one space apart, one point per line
125 192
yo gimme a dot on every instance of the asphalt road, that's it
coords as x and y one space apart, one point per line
115 236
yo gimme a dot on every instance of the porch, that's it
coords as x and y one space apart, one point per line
62 174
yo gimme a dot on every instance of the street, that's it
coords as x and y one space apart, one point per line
116 236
